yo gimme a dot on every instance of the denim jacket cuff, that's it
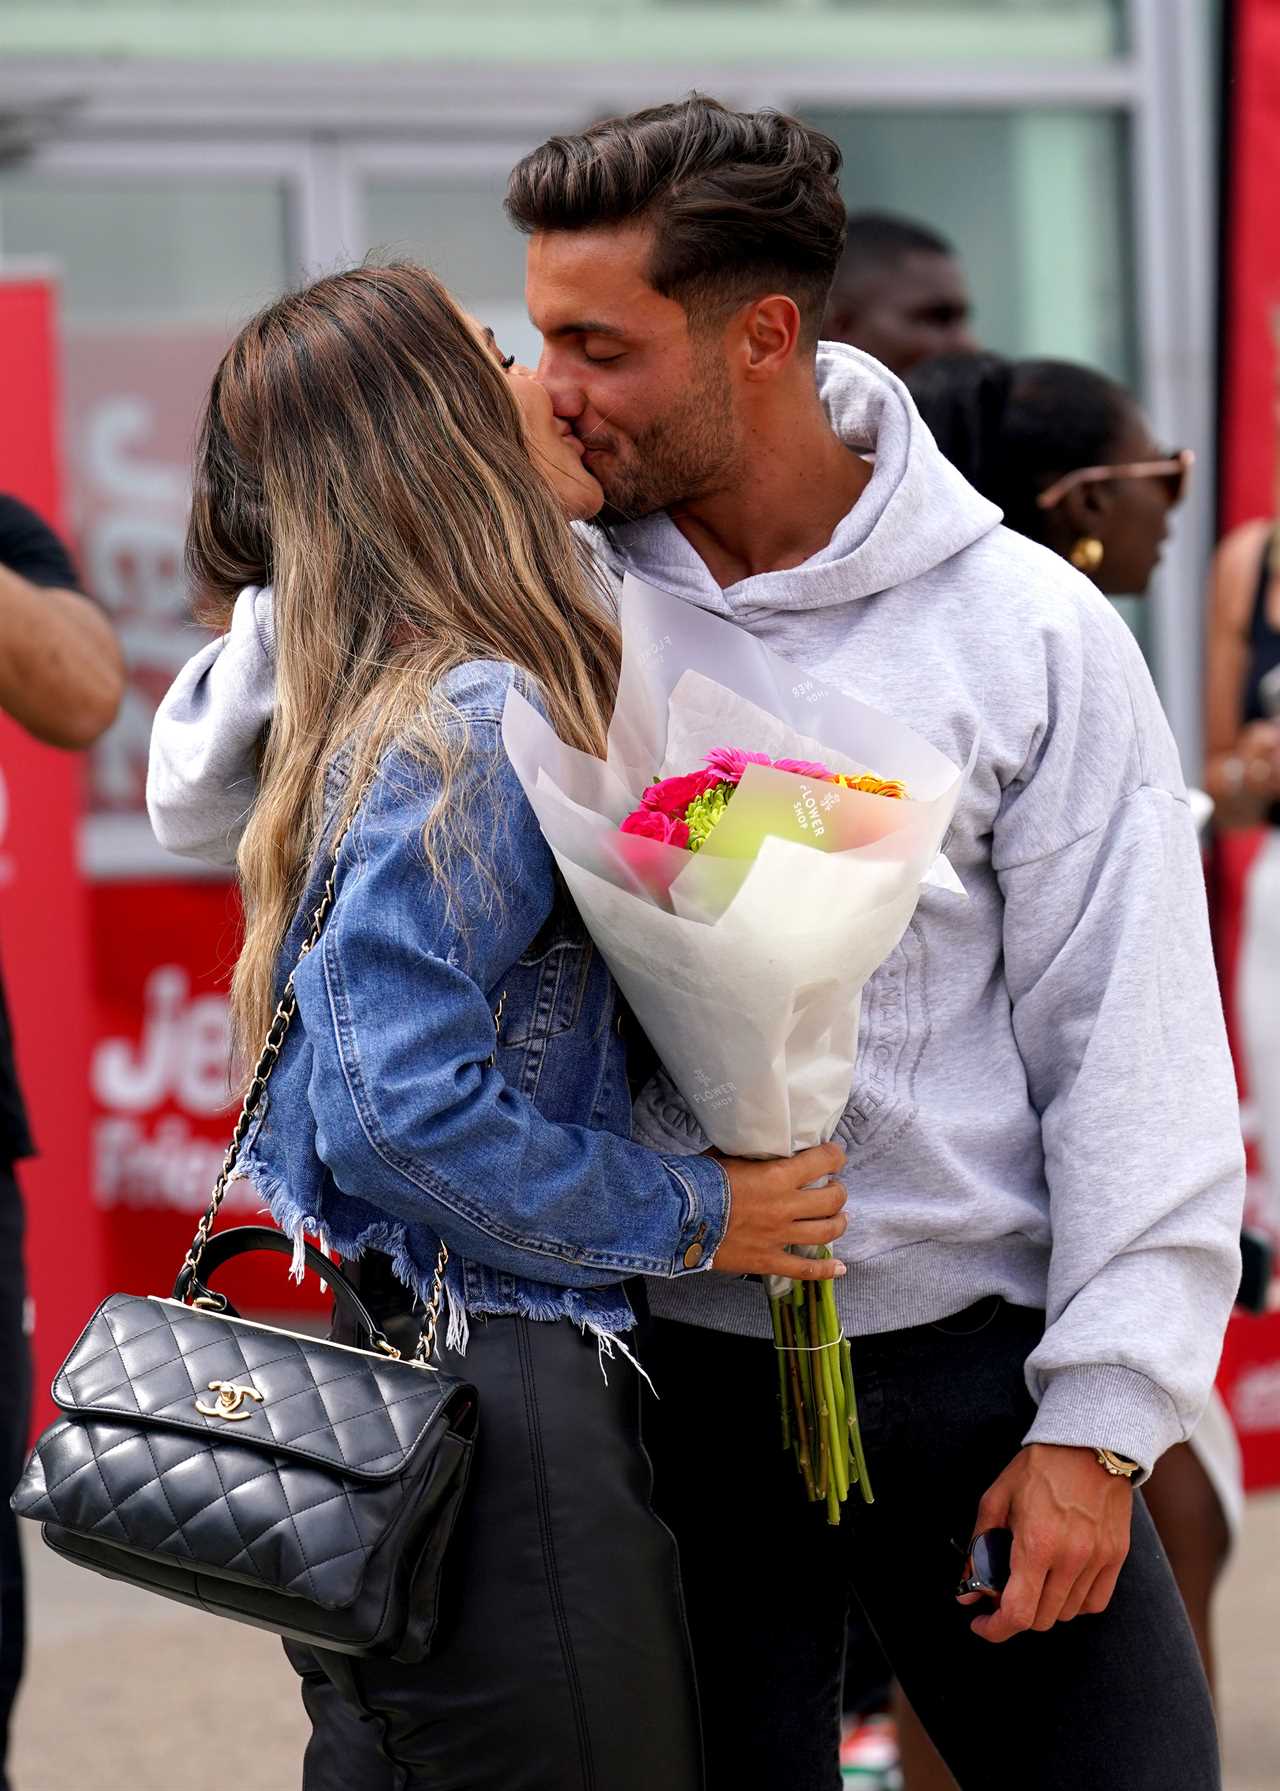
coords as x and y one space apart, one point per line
707 1201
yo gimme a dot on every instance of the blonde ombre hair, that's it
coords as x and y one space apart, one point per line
361 452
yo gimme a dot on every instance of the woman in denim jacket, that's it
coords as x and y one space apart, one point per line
455 1070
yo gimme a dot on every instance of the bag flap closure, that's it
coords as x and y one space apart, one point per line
180 1368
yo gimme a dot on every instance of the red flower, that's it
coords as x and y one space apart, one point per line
673 795
652 824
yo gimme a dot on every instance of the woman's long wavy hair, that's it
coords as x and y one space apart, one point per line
361 453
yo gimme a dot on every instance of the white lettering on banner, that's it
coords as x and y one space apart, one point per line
132 392
169 1166
1255 1399
117 427
134 564
182 1055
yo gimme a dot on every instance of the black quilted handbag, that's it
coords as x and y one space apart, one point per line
300 1485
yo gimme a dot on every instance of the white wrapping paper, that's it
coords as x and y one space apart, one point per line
744 962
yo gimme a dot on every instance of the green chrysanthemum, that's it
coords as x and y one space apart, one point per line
704 811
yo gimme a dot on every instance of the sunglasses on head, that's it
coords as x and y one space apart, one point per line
1174 471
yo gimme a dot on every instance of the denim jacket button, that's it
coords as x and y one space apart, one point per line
693 1256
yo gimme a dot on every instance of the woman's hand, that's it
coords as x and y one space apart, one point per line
775 1204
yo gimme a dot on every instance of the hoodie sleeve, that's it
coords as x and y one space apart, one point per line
202 775
1118 1019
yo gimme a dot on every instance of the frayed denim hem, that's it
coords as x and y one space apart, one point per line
390 1238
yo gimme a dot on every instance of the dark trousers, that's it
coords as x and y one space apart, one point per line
563 1660
15 1417
1117 1702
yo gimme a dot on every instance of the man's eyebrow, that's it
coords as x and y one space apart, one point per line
587 327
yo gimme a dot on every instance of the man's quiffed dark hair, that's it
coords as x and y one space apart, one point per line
740 202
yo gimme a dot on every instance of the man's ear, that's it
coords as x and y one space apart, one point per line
771 332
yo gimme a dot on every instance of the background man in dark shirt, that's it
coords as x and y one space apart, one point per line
900 293
61 678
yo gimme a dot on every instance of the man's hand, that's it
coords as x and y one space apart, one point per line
1070 1524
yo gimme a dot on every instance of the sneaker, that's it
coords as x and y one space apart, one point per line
869 1754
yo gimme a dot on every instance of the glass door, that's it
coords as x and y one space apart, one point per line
443 206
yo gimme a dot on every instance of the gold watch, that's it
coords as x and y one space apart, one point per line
1116 1464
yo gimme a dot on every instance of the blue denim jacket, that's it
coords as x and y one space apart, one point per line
399 1114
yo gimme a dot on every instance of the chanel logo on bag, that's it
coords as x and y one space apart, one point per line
230 1399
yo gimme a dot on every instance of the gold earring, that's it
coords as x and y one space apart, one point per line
1087 554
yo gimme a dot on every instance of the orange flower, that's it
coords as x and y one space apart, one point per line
873 786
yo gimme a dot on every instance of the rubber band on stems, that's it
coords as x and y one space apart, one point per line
816 1400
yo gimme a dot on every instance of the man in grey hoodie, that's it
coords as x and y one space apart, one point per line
1044 1166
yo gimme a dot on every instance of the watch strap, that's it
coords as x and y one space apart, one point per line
1115 1464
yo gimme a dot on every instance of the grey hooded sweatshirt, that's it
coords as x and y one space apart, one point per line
1044 1106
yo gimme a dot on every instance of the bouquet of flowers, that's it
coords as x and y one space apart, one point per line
742 906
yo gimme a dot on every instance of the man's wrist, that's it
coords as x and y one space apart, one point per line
1105 1406
1117 1465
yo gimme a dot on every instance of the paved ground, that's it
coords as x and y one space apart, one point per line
129 1693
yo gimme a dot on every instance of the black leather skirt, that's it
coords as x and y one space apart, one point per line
562 1661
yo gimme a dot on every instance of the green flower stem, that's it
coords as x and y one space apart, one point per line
775 1313
839 1431
855 1432
825 1468
825 1478
802 1350
831 1323
803 1453
850 1410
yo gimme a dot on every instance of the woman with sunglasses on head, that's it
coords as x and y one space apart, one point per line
455 1069
1070 458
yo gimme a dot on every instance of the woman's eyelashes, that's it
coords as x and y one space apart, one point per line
505 361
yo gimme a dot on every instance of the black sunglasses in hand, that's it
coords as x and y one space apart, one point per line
988 1564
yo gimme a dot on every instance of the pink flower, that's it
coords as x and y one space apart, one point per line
804 768
673 795
729 763
652 824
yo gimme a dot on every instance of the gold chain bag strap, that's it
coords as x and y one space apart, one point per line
189 1286
315 1495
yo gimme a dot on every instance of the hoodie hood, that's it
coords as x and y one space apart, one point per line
916 513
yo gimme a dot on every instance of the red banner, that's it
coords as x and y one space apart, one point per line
1250 1375
44 920
1251 277
162 1101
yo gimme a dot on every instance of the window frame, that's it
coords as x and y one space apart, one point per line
326 131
